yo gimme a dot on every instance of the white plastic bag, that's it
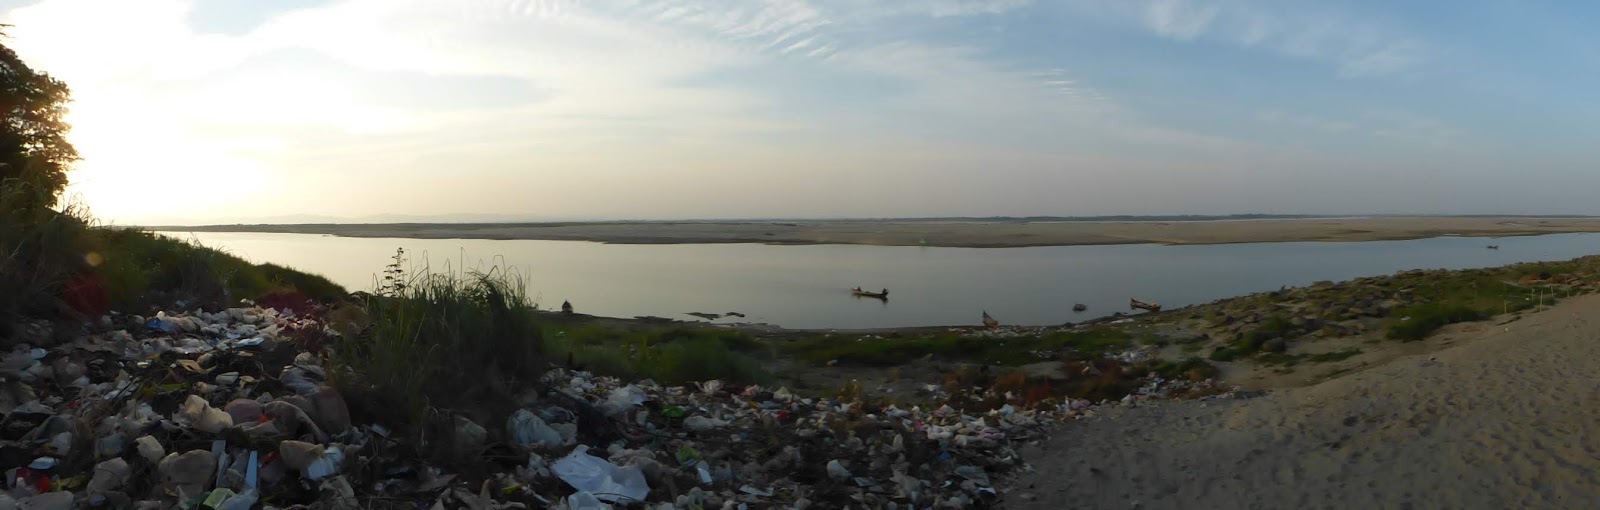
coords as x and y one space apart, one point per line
606 481
528 430
624 398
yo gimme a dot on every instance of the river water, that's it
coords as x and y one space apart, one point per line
808 286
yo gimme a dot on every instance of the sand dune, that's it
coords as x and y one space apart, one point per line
1507 418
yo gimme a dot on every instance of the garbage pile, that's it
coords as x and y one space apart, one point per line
227 410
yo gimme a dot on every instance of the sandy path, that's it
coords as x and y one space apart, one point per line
1508 418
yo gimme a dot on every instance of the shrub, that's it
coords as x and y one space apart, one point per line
1224 354
1416 322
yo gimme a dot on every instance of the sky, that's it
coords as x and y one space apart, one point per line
221 111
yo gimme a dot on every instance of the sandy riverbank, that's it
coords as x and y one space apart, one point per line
974 233
1502 419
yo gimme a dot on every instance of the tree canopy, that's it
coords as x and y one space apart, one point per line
33 137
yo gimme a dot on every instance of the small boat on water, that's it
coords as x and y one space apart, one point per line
1141 305
988 321
1080 307
1493 247
884 295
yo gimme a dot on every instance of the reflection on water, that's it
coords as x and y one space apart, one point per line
809 286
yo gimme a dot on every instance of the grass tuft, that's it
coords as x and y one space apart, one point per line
676 355
446 339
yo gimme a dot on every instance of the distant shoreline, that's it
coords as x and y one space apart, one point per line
962 233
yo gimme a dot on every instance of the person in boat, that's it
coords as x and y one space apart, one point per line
885 293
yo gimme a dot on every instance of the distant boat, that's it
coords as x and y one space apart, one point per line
988 321
1141 305
869 294
1493 247
1079 307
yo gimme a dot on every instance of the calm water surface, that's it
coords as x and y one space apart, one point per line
807 286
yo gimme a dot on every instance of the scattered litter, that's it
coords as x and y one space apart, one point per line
605 480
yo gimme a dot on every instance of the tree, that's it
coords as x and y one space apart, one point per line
33 137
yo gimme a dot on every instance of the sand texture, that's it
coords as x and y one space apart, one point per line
974 234
1507 417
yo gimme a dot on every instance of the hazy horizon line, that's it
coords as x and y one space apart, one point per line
498 219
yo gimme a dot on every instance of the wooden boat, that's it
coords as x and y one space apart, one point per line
1141 305
869 294
988 321
1080 307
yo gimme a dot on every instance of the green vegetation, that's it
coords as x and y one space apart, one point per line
442 340
141 268
55 264
883 352
33 135
1415 323
1193 368
676 355
1286 359
1463 296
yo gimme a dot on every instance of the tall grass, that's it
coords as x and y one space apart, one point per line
446 340
39 253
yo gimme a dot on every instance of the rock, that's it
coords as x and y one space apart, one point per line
1274 345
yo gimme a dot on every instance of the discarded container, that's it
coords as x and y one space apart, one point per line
605 480
242 501
109 475
585 501
189 472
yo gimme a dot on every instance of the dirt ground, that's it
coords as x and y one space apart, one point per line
1487 415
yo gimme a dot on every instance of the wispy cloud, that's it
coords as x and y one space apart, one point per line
1356 46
